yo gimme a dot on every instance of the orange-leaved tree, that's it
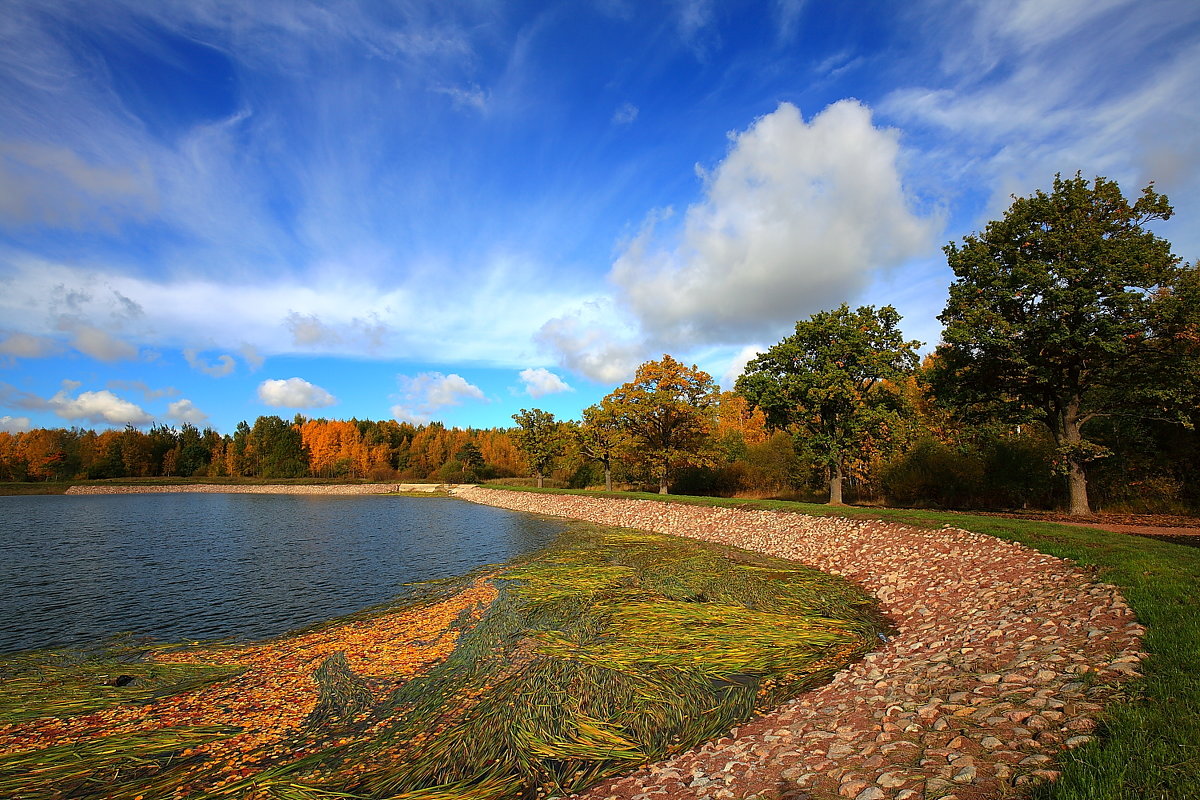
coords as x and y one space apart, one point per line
667 412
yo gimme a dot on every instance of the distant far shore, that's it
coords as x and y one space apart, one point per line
228 488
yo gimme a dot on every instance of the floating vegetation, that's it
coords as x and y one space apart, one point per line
608 649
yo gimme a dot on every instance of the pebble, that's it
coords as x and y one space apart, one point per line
974 691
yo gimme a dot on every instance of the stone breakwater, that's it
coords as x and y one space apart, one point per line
216 488
1001 659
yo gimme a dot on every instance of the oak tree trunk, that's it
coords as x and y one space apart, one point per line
539 479
1067 433
607 479
835 485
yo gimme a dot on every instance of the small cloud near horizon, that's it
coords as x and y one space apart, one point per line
540 382
294 393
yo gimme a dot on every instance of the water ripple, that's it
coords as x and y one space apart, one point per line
200 566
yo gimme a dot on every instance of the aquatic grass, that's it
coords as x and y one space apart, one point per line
608 649
69 681
119 766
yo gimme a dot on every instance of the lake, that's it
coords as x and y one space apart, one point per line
212 566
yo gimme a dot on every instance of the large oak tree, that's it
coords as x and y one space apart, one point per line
1052 316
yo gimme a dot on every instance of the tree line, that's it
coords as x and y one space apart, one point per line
270 448
1068 376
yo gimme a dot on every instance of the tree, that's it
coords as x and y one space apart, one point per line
599 437
666 411
826 381
276 449
1051 316
537 437
470 457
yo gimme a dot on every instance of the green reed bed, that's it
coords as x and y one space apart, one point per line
609 649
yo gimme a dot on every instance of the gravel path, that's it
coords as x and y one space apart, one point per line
981 687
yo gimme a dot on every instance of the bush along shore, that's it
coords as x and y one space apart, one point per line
997 674
610 649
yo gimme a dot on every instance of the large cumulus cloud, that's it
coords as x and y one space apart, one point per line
796 218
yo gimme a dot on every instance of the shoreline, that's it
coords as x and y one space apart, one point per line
233 488
1003 658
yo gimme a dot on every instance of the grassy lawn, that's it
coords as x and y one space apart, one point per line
1148 746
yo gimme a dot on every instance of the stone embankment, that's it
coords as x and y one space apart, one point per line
1001 659
217 488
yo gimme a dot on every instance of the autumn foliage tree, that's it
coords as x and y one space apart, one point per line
1051 316
827 382
667 413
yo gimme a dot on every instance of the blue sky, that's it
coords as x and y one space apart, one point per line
427 210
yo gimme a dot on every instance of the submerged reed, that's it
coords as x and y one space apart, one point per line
608 649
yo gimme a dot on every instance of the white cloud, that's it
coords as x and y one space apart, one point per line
593 342
184 410
626 114
422 395
141 386
797 217
15 424
490 316
294 393
540 382
307 330
22 345
254 360
224 366
465 96
98 343
738 365
97 407
51 185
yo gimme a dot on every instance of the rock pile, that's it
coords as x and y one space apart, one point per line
1001 658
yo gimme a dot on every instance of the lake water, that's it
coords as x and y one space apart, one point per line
205 566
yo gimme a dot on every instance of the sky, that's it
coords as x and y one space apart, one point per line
421 210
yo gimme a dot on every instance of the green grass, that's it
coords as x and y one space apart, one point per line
1148 747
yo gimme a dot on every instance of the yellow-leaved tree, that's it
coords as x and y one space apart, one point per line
667 411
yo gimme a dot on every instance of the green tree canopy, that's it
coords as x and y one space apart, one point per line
538 438
667 413
600 437
825 382
1052 316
